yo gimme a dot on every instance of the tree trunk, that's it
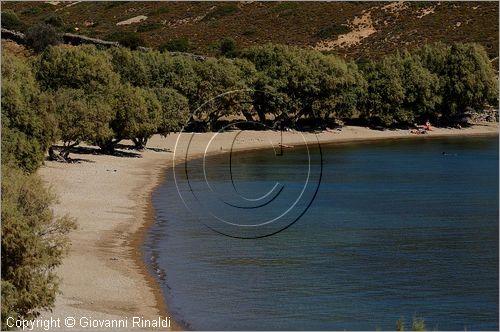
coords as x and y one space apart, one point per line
107 146
261 114
247 116
212 121
63 154
140 142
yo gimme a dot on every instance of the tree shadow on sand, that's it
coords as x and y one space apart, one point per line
89 150
121 150
70 160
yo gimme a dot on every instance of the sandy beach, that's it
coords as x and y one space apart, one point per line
104 275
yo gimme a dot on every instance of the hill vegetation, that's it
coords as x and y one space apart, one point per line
349 29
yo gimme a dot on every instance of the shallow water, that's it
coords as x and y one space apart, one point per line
397 229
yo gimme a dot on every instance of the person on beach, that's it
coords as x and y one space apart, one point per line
428 125
422 129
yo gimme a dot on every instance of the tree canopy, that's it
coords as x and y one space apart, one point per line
82 67
27 127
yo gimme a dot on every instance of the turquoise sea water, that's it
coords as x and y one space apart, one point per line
397 229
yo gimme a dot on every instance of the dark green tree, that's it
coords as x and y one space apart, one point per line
81 117
227 47
34 242
131 66
11 21
129 39
400 91
470 81
218 90
83 67
136 116
28 128
41 35
181 44
292 83
54 20
174 110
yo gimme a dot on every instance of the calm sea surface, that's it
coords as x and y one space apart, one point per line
397 229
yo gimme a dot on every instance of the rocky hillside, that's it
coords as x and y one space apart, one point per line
352 29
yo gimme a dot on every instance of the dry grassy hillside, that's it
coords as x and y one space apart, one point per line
353 29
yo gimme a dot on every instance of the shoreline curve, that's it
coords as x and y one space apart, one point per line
113 229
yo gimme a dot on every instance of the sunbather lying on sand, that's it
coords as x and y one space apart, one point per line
426 126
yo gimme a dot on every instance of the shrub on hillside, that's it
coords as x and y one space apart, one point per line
332 31
149 27
54 20
128 39
11 21
31 11
40 36
222 9
181 44
227 47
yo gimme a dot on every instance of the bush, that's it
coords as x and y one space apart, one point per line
332 31
400 324
31 11
11 21
222 9
285 8
33 244
41 36
161 10
148 27
176 45
113 4
227 47
55 20
128 39
249 32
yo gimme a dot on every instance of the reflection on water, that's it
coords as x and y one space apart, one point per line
398 229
